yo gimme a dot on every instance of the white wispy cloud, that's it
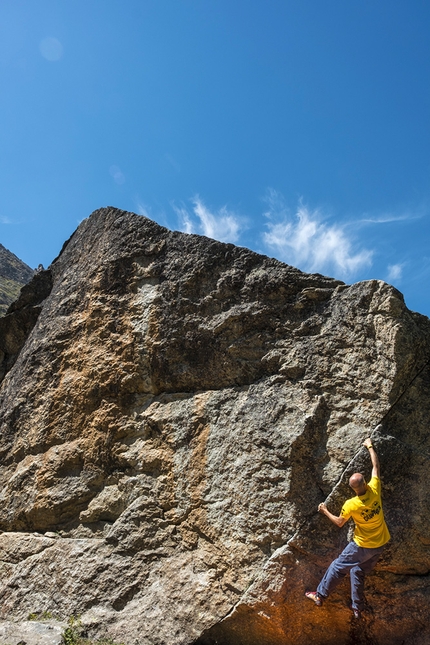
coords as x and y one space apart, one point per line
117 175
308 242
387 217
223 225
5 220
51 49
395 272
186 224
172 162
142 209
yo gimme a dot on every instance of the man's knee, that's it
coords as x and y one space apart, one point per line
357 573
339 570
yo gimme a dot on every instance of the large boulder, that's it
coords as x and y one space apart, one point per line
172 412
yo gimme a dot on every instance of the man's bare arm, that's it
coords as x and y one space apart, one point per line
373 456
339 521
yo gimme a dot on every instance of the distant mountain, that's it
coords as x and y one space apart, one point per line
14 274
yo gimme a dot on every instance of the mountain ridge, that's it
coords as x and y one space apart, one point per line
14 274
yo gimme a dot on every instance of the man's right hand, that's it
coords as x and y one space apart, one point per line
339 521
367 443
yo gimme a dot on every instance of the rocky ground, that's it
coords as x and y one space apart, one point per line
31 632
173 409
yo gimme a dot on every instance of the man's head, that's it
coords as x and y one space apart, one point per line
358 483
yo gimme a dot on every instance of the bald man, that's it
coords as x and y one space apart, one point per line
370 536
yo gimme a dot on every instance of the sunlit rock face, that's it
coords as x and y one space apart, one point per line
173 409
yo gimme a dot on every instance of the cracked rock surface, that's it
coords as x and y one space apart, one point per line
31 632
173 410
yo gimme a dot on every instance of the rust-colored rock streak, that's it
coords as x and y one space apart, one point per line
173 409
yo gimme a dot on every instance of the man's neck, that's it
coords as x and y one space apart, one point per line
362 492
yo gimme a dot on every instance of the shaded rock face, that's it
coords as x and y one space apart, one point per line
173 409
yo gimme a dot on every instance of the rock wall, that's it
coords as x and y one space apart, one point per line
173 409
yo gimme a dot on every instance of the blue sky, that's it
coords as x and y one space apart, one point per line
297 128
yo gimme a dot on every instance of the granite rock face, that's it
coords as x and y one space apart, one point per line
173 409
32 632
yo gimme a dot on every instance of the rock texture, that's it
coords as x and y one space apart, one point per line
14 274
173 409
31 632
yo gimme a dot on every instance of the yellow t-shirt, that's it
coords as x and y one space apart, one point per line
366 511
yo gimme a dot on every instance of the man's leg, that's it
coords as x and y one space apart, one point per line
338 569
357 588
369 558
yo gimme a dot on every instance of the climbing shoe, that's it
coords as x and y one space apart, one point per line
315 596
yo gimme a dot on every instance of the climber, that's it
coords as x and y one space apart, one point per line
370 536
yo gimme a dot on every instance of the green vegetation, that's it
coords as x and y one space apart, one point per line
73 635
44 615
74 632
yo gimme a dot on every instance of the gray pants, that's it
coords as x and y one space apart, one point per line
356 560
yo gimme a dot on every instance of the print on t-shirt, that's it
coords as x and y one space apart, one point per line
368 513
